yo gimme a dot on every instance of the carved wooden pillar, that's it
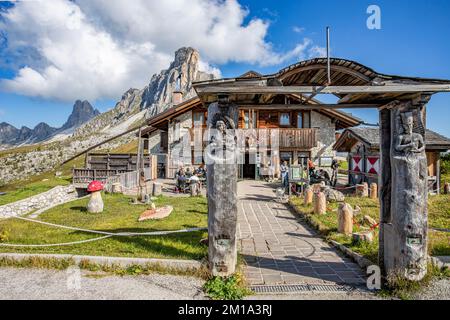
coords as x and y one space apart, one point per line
222 171
403 191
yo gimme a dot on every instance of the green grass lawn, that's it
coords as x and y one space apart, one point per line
439 217
119 216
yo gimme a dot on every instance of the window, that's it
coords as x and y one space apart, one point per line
306 119
303 158
176 131
286 156
249 119
285 119
303 119
197 157
199 119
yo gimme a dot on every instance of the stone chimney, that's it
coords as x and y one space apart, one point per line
177 97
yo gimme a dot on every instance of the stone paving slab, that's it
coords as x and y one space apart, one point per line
278 249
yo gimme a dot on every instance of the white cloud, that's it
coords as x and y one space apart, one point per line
297 29
97 49
317 52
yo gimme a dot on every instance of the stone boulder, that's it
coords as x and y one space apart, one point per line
366 236
333 195
368 220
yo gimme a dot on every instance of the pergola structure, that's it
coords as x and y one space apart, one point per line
401 102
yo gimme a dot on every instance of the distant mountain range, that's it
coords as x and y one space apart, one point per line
12 136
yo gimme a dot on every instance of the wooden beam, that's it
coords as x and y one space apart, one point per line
308 106
401 88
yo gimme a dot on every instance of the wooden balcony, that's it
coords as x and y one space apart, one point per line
288 138
297 138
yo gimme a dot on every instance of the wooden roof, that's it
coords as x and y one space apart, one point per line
351 82
160 121
370 136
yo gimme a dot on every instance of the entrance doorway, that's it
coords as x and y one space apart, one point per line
249 167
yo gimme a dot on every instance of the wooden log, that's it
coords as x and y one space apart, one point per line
116 188
222 175
373 191
362 190
345 218
405 232
157 189
308 196
385 182
320 203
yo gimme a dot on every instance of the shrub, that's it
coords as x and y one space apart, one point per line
230 288
4 235
445 164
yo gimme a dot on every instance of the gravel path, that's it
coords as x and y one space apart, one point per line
21 284
438 290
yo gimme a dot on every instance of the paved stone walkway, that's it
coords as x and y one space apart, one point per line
278 249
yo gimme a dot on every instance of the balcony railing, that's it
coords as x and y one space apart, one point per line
287 137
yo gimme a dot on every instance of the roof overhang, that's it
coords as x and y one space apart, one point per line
353 83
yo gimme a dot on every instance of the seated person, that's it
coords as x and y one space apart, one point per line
324 174
181 179
200 171
188 173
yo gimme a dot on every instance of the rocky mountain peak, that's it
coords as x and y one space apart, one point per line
81 113
157 95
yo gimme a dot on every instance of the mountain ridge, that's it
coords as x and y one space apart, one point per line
82 111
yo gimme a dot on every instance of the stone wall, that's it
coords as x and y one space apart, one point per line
326 139
53 197
178 155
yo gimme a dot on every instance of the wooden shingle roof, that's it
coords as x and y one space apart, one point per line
371 137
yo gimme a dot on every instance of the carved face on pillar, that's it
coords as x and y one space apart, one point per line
407 122
408 142
221 126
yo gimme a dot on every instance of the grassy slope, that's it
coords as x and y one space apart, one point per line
439 216
119 216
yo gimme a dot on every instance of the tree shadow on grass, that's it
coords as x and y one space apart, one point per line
79 208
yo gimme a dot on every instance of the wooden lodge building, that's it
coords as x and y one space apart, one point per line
362 145
284 101
303 133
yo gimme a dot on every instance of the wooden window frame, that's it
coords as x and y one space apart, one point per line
303 119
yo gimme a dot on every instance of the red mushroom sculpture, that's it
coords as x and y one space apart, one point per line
95 204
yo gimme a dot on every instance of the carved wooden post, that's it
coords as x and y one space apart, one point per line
403 191
222 188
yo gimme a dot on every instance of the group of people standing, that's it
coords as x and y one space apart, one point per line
284 169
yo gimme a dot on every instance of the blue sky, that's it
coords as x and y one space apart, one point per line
413 41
